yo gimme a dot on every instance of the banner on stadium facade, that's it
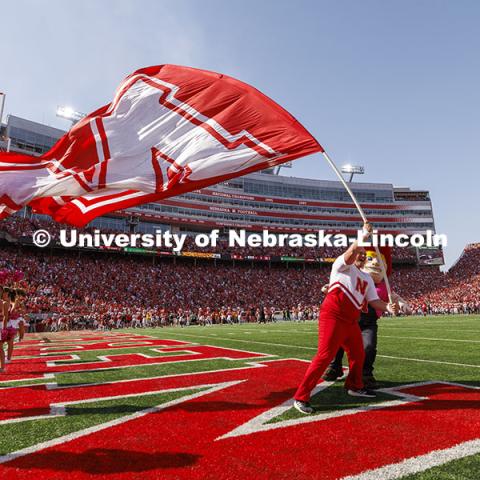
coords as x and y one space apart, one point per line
326 260
430 256
110 248
199 254
236 256
292 259
143 251
169 130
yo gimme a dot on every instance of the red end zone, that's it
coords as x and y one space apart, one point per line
224 432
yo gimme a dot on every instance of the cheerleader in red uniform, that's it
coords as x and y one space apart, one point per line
13 321
349 288
22 321
17 277
4 310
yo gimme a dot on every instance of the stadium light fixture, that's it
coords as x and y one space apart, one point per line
2 104
69 114
352 170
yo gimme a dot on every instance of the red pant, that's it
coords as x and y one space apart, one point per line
333 334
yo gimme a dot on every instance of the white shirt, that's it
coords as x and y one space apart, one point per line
358 286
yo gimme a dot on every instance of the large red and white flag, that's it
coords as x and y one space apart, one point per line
169 130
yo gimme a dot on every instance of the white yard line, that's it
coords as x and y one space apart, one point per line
315 348
305 331
420 463
424 360
431 339
300 328
290 332
413 329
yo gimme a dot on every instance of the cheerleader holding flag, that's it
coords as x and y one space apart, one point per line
368 319
349 288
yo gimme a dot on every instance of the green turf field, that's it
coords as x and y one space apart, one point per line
410 350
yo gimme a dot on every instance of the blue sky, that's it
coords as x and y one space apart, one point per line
393 86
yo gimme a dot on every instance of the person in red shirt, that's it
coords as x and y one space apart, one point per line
349 288
4 332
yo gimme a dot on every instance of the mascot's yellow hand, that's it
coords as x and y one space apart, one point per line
405 307
393 308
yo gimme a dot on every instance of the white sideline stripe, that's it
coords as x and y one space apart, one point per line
458 330
303 332
431 339
420 463
315 348
429 361
311 326
118 421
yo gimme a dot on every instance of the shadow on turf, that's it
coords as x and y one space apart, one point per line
104 461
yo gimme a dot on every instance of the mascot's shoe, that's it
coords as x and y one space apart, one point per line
332 374
370 382
362 392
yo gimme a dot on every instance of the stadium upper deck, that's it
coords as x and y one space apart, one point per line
256 201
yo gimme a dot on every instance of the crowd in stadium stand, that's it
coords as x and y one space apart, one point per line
69 289
459 292
99 288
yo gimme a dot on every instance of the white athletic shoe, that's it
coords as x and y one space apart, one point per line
303 407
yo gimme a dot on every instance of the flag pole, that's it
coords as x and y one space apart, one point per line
364 218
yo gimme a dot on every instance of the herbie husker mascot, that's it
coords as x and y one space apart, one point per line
369 317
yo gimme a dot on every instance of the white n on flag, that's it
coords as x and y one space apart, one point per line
168 130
